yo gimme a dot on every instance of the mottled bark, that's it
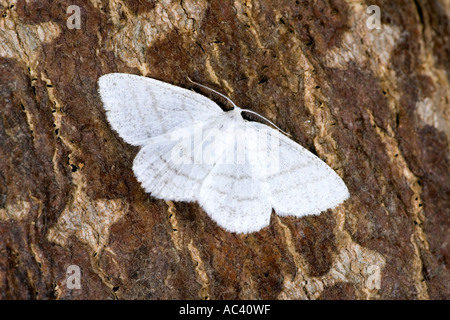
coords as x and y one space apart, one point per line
372 103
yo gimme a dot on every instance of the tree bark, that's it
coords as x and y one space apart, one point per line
373 103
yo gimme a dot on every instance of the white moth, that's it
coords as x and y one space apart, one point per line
191 150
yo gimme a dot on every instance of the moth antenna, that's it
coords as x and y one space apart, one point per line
220 94
255 113
235 106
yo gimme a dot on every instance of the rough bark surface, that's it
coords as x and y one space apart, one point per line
372 103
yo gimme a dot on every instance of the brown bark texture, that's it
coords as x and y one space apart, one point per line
373 103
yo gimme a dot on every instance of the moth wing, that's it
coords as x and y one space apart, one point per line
298 182
139 108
